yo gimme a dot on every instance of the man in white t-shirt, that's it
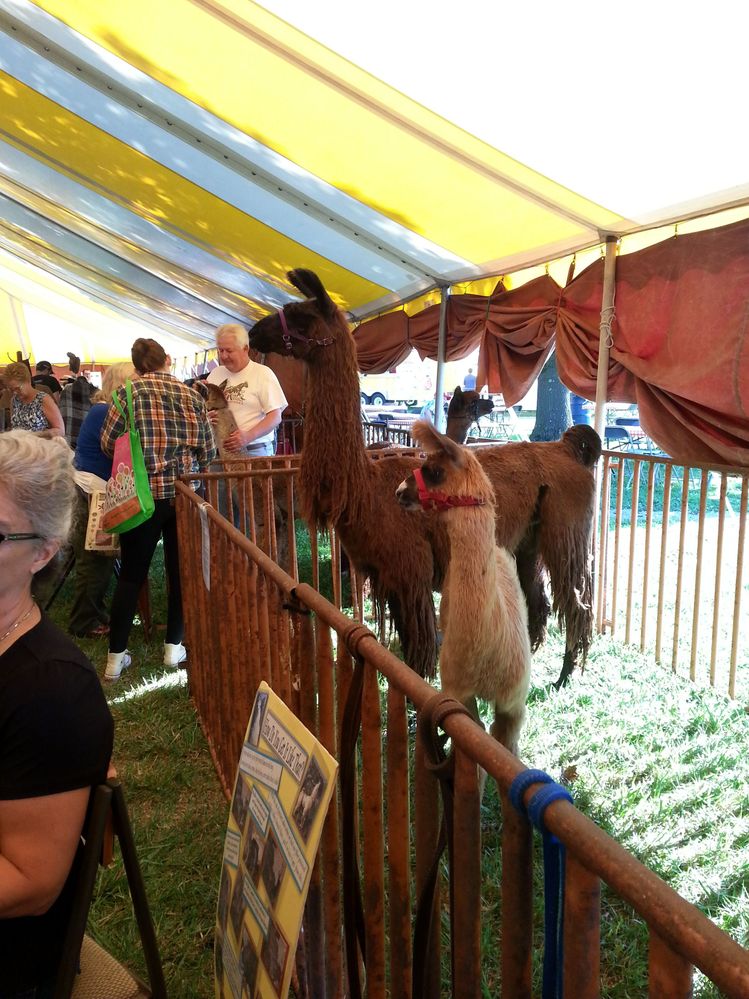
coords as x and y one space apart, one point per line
255 397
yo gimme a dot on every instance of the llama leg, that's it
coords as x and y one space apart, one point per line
532 583
506 728
568 666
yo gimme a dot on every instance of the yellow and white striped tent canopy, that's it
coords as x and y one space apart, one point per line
163 163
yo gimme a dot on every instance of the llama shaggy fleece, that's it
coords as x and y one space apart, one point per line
544 492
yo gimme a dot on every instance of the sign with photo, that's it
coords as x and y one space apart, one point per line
282 791
97 539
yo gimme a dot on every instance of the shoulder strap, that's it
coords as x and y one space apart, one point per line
127 417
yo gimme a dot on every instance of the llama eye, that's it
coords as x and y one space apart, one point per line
433 474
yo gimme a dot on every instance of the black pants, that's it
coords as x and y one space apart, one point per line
138 547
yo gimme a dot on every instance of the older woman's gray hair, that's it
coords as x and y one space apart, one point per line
37 475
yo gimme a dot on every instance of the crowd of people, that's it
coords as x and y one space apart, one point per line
56 731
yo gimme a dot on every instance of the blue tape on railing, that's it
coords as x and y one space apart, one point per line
554 872
521 784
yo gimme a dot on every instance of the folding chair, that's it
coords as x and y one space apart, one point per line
617 438
101 976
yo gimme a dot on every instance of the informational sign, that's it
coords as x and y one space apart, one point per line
97 539
282 791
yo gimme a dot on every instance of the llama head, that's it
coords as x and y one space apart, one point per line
468 403
213 394
451 477
301 329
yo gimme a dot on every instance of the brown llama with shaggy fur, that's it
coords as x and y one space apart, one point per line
485 649
544 493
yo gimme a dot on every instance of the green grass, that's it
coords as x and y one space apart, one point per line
657 762
660 765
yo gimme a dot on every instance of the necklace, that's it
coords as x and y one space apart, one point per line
19 621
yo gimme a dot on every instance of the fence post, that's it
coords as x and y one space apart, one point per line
465 881
669 975
582 931
517 902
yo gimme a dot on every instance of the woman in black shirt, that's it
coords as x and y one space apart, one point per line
55 726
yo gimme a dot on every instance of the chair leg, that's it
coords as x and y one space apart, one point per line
124 834
100 811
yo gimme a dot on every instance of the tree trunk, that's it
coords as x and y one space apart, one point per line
552 404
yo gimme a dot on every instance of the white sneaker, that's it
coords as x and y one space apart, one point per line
116 662
174 654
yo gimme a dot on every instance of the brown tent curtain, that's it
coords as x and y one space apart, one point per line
680 344
680 340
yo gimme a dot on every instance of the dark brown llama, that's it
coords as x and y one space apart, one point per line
464 410
544 493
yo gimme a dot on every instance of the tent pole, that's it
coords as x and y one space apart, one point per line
19 318
602 384
604 341
439 392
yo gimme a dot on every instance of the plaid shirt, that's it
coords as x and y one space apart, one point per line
75 402
175 434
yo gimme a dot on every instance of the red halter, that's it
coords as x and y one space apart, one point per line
289 335
441 501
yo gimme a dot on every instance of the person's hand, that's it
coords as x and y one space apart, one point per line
212 416
235 441
111 772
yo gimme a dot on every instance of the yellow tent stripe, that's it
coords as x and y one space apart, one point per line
99 161
333 119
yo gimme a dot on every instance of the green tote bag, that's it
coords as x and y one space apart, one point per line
128 500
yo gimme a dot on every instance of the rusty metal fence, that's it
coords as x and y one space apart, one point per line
672 565
248 621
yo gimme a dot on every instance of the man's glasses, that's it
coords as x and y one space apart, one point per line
20 537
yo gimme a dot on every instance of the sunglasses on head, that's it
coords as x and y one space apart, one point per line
20 537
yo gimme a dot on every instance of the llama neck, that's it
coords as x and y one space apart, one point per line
457 428
335 468
472 551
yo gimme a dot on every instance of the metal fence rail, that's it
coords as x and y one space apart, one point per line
672 564
248 620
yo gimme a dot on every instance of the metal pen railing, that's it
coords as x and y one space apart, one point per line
672 564
247 620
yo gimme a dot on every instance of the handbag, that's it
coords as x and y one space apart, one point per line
128 501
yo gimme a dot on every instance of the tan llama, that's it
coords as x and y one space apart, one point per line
483 618
224 422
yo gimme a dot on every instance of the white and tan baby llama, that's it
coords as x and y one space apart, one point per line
485 648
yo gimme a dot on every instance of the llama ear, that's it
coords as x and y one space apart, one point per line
311 286
432 441
222 386
457 392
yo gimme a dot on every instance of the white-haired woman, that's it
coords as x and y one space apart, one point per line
89 617
55 726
